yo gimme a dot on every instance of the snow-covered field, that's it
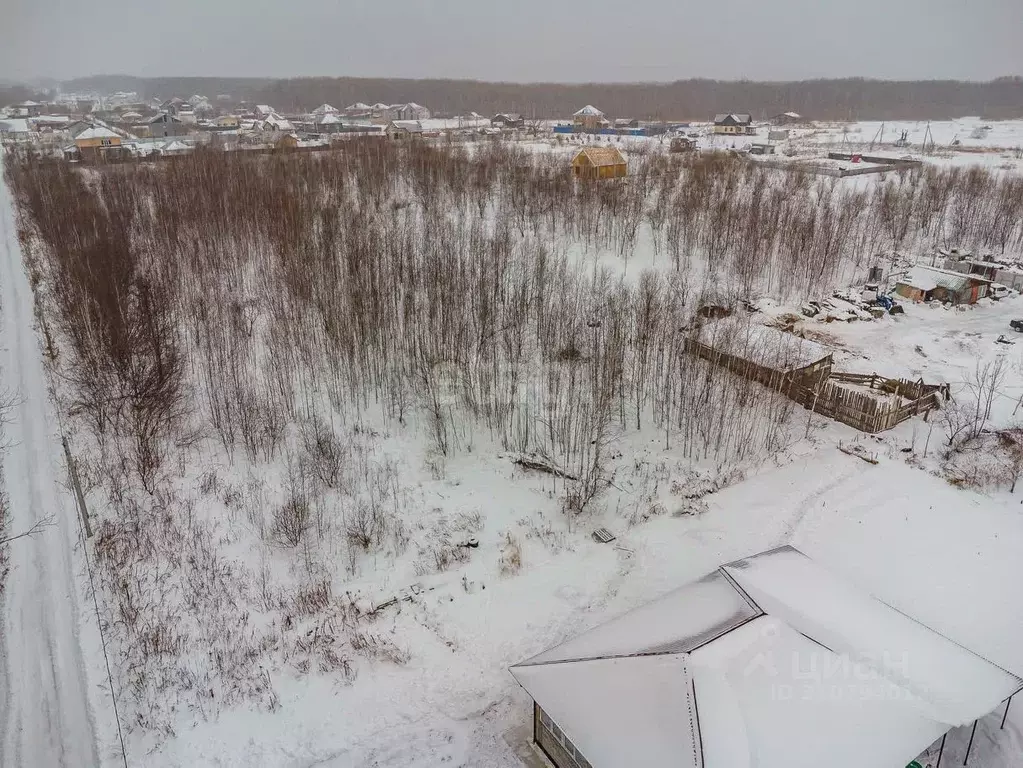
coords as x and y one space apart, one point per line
964 142
483 567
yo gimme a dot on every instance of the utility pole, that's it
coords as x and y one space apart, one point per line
76 486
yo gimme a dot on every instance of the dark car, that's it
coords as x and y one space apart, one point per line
1016 325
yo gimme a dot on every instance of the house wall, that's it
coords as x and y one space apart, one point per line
587 122
114 141
163 130
558 748
583 170
909 292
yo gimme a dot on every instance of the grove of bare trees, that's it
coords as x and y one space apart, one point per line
220 316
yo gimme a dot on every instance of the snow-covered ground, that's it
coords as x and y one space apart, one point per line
45 712
896 529
440 693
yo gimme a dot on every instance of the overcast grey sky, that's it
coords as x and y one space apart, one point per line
519 40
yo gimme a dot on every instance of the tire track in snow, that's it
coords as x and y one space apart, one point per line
45 717
812 502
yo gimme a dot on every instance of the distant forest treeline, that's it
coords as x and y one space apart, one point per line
846 99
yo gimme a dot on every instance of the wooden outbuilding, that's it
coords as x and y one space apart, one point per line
596 163
922 283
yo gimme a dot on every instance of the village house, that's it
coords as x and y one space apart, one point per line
328 122
596 163
227 121
507 120
292 142
49 122
1005 274
172 106
165 124
626 122
786 118
174 148
325 109
589 118
358 108
402 130
263 111
734 124
95 142
274 122
26 109
410 111
922 283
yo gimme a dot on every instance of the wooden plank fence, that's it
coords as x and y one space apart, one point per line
864 411
818 388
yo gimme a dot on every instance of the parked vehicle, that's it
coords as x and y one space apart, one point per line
1016 325
998 291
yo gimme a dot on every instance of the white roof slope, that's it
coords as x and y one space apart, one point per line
770 662
97 132
589 111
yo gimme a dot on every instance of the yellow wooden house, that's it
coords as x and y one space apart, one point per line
595 163
95 137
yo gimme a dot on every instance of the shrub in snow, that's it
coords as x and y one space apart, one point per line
510 561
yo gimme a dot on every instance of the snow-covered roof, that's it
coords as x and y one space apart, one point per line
357 107
413 126
740 119
14 125
793 115
919 279
380 105
97 132
159 118
740 336
601 156
325 109
771 661
328 118
175 146
275 122
928 278
588 111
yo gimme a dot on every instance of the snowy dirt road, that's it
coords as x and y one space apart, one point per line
45 716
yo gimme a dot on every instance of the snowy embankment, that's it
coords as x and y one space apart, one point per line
45 712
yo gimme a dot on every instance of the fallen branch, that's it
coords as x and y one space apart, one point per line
37 527
541 466
858 455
